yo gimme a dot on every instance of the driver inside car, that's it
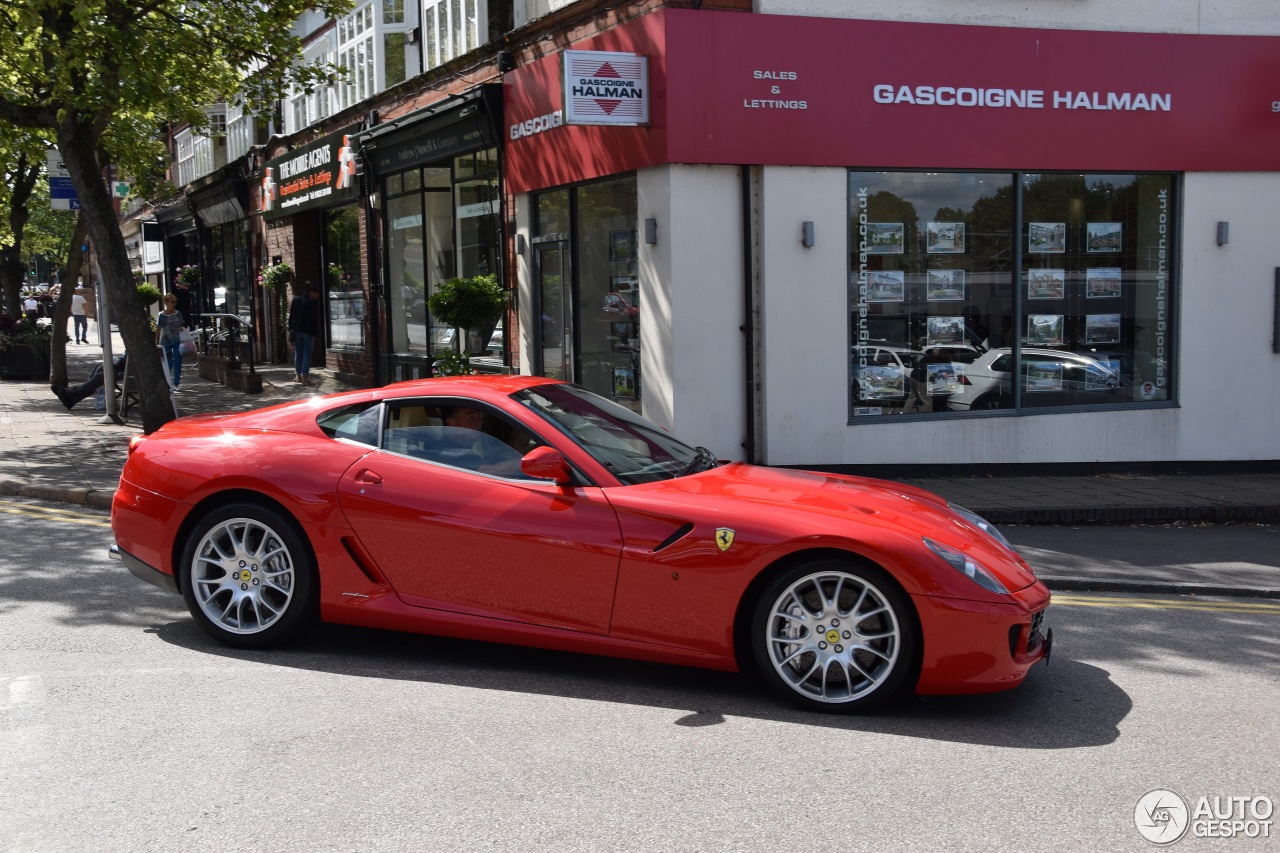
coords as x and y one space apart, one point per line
466 445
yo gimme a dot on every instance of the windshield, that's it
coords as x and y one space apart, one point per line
633 449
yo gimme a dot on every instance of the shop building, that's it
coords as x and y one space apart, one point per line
991 238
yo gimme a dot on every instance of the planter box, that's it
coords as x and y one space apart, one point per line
22 363
218 370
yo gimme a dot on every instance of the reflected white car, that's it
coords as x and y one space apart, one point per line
1050 377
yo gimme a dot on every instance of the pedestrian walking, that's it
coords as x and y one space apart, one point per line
80 316
30 307
304 322
169 326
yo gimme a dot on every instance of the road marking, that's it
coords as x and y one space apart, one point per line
46 513
1167 604
21 690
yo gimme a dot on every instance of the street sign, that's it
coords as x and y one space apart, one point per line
62 195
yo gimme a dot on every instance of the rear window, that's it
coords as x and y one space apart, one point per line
355 423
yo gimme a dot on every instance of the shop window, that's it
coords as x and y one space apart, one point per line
344 284
442 221
587 287
958 304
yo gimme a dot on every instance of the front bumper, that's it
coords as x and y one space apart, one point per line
977 647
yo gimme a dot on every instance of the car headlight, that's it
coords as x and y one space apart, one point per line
982 524
967 566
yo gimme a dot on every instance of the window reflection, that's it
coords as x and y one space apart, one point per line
951 299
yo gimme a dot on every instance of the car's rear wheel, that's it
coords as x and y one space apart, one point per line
248 577
835 636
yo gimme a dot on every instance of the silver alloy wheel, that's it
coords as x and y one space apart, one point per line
242 575
833 637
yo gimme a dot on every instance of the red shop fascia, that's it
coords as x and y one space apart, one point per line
732 88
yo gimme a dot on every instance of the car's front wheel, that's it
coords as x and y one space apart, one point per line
248 577
835 636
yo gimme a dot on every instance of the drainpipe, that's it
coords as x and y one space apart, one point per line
748 324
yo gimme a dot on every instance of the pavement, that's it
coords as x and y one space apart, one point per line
71 456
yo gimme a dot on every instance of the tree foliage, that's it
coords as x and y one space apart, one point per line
103 77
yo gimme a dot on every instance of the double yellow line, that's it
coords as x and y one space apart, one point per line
48 513
1260 607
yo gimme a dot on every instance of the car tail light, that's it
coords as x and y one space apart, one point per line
964 380
136 442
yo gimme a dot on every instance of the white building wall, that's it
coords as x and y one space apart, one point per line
692 305
1229 384
1218 17
1230 377
804 302
525 317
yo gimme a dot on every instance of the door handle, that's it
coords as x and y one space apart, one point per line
367 477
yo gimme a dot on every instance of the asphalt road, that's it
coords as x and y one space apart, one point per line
124 728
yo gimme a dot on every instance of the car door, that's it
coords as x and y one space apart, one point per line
486 545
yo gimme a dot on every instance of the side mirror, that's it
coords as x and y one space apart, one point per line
544 463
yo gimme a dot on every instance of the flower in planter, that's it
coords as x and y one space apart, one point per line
187 277
18 332
276 276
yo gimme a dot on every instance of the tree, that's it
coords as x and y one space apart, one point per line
104 75
22 155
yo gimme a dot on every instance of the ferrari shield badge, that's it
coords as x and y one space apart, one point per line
724 538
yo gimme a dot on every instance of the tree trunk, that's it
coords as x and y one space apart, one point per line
12 268
78 145
62 308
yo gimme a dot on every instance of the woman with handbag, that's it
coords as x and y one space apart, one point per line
169 326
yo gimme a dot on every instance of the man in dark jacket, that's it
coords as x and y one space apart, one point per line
304 323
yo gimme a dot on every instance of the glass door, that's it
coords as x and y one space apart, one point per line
555 331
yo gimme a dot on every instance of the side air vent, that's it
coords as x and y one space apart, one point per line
362 561
681 532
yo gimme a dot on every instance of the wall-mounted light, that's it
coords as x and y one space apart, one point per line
1223 233
520 244
806 234
651 231
375 201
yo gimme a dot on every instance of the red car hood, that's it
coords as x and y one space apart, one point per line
795 505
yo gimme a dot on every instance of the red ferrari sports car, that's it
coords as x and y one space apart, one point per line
523 510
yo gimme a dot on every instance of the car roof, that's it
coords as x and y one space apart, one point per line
302 414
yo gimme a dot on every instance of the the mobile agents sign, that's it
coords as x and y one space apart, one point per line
320 174
606 87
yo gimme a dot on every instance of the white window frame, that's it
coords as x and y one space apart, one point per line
451 28
301 110
239 131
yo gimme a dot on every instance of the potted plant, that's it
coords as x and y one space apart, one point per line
24 348
148 293
187 277
275 279
474 304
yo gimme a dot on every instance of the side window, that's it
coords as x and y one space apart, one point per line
458 434
354 423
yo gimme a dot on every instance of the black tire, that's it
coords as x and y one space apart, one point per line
991 402
829 669
274 596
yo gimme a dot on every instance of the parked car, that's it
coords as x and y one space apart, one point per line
559 519
1049 377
